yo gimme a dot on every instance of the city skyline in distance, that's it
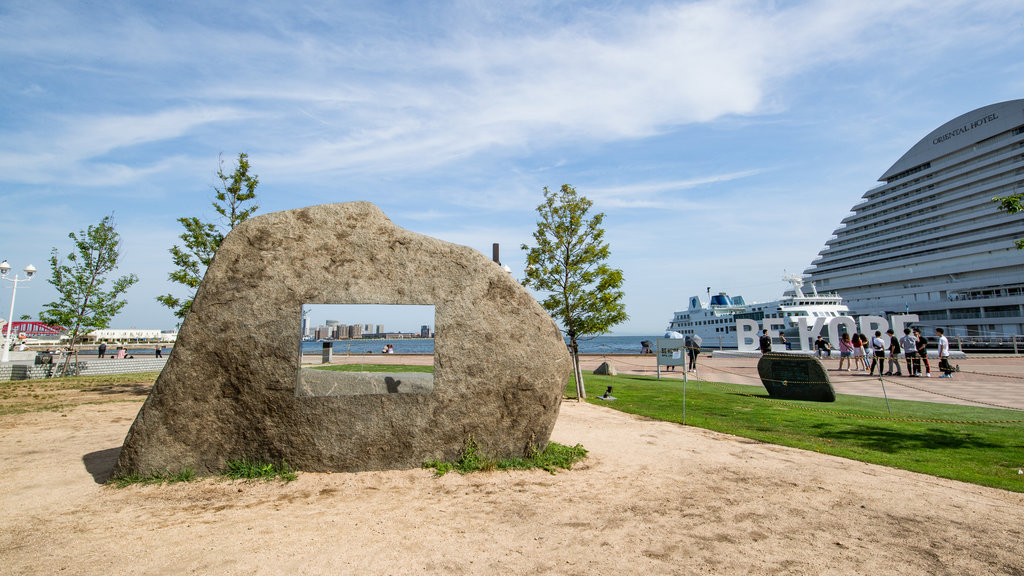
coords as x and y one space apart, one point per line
394 318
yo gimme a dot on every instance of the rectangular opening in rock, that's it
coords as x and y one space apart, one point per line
358 349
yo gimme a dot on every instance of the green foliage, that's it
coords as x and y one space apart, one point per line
246 469
568 262
472 459
186 475
1012 204
201 239
83 304
854 427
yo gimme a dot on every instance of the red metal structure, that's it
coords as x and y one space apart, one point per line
33 329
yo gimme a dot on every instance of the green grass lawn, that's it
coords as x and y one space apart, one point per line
950 441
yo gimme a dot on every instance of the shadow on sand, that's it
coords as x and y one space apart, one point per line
101 464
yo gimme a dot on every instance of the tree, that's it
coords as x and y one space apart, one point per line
201 239
1012 204
84 305
569 262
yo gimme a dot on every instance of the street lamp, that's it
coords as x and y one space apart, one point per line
4 269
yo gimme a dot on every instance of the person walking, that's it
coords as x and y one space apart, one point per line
765 343
693 350
845 350
944 367
909 344
102 349
922 352
894 353
878 353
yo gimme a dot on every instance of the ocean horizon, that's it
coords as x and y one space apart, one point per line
589 345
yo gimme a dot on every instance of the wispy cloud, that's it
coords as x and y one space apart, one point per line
707 119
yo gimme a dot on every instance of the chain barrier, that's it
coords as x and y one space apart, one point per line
864 416
645 368
919 389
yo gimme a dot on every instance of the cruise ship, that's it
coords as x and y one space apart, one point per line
715 320
930 240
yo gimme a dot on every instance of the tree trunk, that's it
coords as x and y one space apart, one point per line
577 374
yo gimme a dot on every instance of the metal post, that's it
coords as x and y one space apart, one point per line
4 268
684 398
882 381
10 323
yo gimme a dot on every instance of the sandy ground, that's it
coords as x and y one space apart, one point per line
652 498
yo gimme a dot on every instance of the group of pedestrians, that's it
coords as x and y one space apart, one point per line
855 349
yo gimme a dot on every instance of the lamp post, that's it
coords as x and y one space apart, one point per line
4 269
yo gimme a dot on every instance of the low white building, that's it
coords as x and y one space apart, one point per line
131 335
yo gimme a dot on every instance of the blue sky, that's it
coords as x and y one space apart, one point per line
724 140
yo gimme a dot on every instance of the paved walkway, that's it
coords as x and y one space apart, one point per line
992 381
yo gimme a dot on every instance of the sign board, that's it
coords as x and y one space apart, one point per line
795 377
670 351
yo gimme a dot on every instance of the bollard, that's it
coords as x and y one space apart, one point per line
328 350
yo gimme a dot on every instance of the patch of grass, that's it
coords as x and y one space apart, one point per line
247 469
373 368
472 459
924 437
186 475
59 394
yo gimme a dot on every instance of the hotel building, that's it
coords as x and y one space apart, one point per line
930 241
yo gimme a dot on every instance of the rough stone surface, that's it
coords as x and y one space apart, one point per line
229 389
795 376
606 369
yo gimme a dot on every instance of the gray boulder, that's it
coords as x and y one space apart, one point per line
606 369
232 387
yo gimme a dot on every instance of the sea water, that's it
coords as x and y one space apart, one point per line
589 345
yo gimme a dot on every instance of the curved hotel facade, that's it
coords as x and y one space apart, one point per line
930 240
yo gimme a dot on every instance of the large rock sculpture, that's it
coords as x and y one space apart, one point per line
231 389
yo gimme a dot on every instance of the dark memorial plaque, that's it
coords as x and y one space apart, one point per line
796 377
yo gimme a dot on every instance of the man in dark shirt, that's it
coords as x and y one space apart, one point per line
765 342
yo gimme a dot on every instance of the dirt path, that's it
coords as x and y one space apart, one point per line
652 498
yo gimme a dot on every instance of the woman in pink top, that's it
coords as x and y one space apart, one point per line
845 350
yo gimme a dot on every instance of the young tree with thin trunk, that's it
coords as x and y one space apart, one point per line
84 305
569 263
201 239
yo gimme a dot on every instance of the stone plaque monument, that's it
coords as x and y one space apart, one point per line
234 388
796 377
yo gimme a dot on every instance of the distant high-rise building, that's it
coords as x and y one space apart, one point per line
355 331
425 331
930 241
380 329
332 322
